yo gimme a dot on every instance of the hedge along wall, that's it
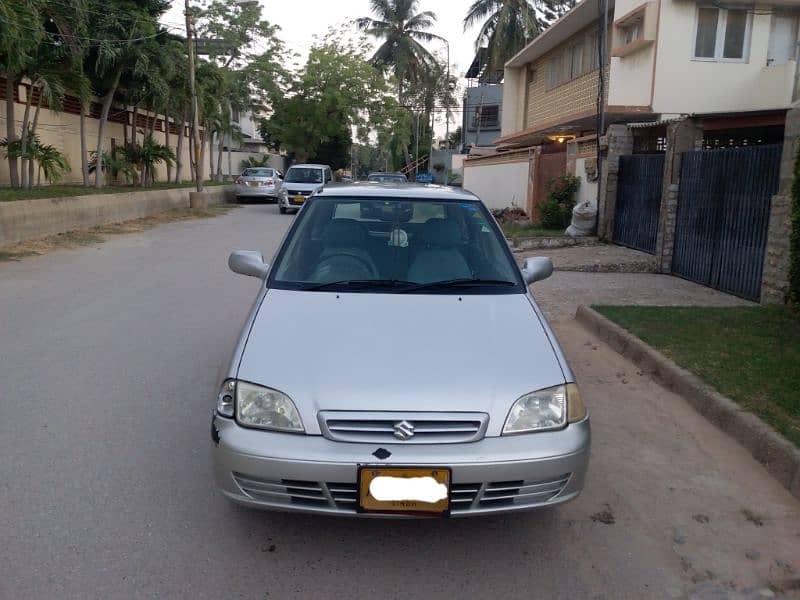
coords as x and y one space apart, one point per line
794 243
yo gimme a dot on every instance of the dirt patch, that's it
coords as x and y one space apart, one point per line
755 519
97 235
604 516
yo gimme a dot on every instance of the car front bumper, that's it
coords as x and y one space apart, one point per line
305 473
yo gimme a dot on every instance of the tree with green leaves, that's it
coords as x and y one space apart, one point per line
336 95
403 30
507 26
21 34
122 29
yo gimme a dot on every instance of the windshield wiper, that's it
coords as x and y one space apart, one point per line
356 284
458 283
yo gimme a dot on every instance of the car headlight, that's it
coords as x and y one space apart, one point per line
545 410
266 408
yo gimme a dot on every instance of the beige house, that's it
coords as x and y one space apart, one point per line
731 65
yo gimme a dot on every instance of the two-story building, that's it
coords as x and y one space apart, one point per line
730 65
482 108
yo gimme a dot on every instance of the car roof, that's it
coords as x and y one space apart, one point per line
310 166
397 190
386 173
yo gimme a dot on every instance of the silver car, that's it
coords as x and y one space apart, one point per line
394 363
263 183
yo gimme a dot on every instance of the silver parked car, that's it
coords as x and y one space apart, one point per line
301 182
259 183
395 363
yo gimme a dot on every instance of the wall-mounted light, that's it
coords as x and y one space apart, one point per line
561 138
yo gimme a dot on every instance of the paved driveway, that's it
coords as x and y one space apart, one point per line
108 360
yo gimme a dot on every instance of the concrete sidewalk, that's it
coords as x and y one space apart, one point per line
600 258
560 295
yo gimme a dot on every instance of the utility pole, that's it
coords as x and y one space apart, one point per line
193 92
449 162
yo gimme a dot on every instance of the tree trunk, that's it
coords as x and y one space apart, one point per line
219 159
230 138
202 158
23 138
211 174
133 127
107 100
153 124
406 153
33 132
179 150
166 143
11 132
84 159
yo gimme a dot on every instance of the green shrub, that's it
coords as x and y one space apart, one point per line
552 215
794 243
557 210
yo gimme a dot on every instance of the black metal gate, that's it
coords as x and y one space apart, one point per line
723 215
638 201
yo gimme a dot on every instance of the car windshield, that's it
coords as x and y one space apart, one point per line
395 246
304 175
257 173
387 178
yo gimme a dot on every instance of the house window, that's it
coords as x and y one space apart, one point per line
573 61
632 32
576 61
487 117
782 39
554 71
722 34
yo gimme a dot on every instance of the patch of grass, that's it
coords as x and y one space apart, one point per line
750 354
516 230
97 235
58 191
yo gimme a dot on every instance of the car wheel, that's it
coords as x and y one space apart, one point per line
282 209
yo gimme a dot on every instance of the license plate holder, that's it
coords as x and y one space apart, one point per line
367 503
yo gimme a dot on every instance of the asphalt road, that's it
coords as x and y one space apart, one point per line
108 363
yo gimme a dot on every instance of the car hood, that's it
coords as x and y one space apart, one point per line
399 352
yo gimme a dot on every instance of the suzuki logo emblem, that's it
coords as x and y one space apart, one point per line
403 430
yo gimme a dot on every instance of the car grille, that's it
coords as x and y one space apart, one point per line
298 193
402 427
343 497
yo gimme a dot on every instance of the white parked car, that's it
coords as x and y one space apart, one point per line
301 182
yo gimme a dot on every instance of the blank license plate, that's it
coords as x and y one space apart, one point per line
404 490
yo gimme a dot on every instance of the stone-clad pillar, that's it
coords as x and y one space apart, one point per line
775 276
682 136
617 141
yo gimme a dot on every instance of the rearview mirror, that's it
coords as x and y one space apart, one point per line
248 262
536 268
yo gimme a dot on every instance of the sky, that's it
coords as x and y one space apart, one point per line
301 20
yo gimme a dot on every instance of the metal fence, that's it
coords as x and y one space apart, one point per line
723 216
638 207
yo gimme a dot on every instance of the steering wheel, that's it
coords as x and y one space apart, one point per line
352 257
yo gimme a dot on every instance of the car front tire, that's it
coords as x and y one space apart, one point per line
282 209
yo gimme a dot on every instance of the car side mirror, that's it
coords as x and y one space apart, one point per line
248 262
536 268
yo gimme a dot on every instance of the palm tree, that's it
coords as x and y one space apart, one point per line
402 28
20 36
509 25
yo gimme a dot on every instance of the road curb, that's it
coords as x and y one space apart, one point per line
778 455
